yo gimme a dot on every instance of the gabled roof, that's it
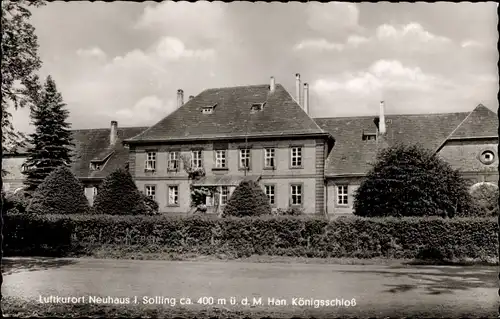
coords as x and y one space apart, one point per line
232 116
93 144
481 122
352 156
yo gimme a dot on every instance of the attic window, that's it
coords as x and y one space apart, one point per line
257 107
208 109
369 136
95 166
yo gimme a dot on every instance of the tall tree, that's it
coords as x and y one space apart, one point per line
20 62
51 143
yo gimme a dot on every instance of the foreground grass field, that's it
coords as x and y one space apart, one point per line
15 307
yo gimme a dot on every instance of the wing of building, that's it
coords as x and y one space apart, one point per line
261 132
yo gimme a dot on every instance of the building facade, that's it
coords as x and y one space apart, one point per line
262 133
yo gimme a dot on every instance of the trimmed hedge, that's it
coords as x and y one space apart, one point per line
434 238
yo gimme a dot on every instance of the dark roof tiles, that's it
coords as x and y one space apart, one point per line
232 116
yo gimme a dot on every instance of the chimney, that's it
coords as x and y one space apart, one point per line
297 89
113 134
382 119
180 98
191 97
306 98
272 85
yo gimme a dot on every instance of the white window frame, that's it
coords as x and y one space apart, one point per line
269 158
295 194
173 161
224 195
342 195
94 191
151 191
173 195
245 156
296 156
196 159
150 164
270 191
220 159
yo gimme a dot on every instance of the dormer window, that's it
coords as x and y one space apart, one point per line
369 136
208 109
95 166
257 107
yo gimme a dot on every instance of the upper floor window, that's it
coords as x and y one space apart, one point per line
151 191
342 195
296 194
196 159
220 158
296 156
245 158
269 190
269 158
150 161
173 161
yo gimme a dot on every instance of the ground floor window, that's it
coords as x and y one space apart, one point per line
173 195
151 191
224 195
296 194
269 190
342 195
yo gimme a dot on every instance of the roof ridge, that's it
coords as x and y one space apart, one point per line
399 114
237 86
108 128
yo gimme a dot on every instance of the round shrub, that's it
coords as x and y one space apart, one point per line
409 180
118 195
248 199
59 193
485 195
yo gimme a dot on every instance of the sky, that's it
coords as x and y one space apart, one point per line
124 61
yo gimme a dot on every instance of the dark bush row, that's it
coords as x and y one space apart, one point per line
69 235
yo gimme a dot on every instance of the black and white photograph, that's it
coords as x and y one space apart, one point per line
165 159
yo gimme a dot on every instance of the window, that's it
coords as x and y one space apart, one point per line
245 158
224 194
94 191
220 159
296 156
95 166
269 157
487 157
208 109
173 195
256 107
342 195
196 159
173 161
150 161
269 190
369 137
151 191
24 168
296 191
